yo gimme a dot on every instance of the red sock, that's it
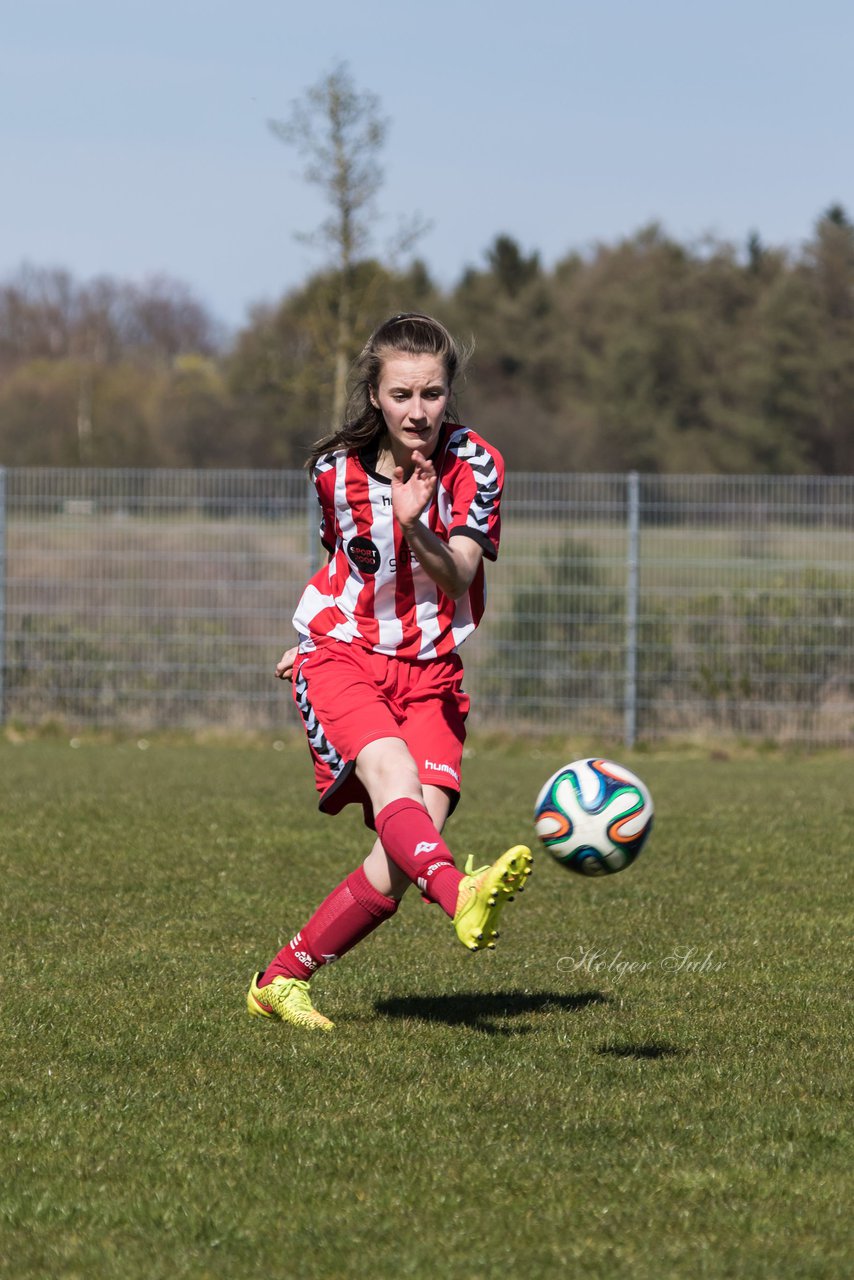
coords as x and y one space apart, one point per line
410 839
351 911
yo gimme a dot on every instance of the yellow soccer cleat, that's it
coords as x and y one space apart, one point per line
483 893
287 999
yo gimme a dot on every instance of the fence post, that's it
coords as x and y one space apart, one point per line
630 705
2 595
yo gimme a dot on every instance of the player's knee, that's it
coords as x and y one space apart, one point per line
388 771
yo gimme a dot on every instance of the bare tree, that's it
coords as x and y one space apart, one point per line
340 132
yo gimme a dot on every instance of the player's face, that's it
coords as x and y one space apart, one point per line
412 396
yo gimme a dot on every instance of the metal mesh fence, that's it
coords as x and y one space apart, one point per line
628 607
150 598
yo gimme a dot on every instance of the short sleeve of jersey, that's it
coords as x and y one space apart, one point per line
476 485
323 476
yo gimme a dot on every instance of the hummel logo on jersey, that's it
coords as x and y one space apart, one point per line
442 768
424 847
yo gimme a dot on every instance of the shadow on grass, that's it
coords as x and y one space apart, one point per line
651 1050
479 1010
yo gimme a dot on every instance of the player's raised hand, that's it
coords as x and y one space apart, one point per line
410 497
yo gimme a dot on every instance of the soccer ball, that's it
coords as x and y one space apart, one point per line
594 816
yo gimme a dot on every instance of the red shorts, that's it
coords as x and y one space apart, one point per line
349 696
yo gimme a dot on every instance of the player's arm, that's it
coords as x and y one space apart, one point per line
452 565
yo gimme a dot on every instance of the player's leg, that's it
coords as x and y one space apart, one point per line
481 894
337 708
352 911
409 836
383 873
434 708
412 841
335 691
414 784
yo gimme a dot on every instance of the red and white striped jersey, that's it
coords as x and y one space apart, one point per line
374 592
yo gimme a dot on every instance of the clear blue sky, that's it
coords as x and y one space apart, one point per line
133 136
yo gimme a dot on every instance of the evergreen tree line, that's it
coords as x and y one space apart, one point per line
646 354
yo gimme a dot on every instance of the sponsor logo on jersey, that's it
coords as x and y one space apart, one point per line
364 554
404 557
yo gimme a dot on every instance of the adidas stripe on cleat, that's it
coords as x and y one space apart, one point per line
483 893
287 999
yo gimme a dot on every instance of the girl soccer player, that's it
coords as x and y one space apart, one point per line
409 506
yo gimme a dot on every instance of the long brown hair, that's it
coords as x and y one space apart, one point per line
408 334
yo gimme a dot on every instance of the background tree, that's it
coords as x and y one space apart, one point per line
84 367
646 353
509 392
339 131
829 265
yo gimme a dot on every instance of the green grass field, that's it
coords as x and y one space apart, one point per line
646 1079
